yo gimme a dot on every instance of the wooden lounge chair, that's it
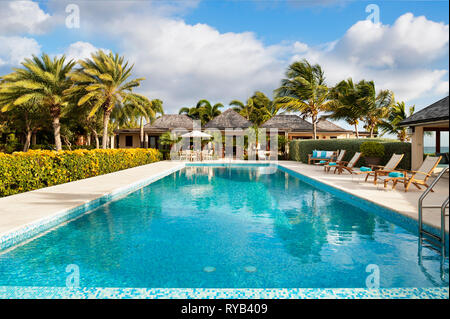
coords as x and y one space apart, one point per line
348 166
417 178
340 157
331 156
379 170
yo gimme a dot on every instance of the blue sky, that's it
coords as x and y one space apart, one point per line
225 50
284 21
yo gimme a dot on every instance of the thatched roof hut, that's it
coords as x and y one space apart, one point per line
326 126
170 122
228 119
291 123
294 123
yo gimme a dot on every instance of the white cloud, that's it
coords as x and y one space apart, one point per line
396 57
409 42
14 49
19 17
80 50
184 63
442 88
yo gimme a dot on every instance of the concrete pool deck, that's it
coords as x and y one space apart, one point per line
20 210
27 208
398 200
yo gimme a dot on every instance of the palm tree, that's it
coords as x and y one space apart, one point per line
344 104
375 106
202 111
149 112
396 114
192 112
304 90
207 111
258 109
41 81
103 81
244 109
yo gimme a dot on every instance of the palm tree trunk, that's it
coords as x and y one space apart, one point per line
26 146
57 133
356 130
28 133
97 142
33 138
106 116
314 123
371 131
141 133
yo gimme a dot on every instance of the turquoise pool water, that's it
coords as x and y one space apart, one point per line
225 227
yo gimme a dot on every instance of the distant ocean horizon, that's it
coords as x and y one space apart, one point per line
432 149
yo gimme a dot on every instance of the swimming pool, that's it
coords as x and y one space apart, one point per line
226 227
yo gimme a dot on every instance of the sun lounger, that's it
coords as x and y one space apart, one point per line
348 166
379 170
328 165
417 178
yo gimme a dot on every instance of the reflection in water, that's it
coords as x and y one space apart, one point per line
422 249
253 228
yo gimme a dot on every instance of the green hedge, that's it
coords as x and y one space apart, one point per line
299 149
18 147
26 171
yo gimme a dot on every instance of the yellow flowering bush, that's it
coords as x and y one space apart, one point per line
26 171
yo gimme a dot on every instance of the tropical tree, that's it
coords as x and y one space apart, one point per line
148 112
41 81
244 109
103 82
258 109
375 106
190 111
203 111
304 91
207 111
26 118
344 98
396 114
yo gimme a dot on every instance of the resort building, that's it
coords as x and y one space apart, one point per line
291 126
229 119
294 127
433 118
130 138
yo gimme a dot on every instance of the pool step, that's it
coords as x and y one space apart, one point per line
440 240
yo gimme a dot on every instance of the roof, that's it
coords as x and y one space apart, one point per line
438 111
326 126
170 122
228 119
289 122
296 124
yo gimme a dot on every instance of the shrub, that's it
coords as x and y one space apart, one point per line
299 149
372 149
26 171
